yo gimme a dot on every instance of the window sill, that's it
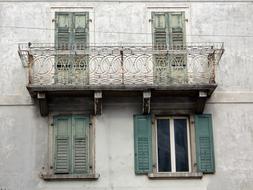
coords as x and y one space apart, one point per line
49 177
186 175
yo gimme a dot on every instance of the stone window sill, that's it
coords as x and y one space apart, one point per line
50 177
181 175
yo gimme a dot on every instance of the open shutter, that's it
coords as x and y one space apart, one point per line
62 141
204 143
80 144
142 144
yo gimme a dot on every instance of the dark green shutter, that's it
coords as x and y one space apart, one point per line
80 128
142 144
204 143
62 137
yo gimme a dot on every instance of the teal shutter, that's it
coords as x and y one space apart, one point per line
80 128
62 141
204 143
142 144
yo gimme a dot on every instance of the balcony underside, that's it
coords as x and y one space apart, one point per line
176 99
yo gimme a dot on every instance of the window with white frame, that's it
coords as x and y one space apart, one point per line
172 144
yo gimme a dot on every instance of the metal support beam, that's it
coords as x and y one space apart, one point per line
146 102
42 103
201 101
98 102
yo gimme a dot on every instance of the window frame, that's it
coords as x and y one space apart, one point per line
172 143
192 173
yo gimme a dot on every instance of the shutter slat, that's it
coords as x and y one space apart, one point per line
204 143
142 142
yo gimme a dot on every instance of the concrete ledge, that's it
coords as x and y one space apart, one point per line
51 177
186 175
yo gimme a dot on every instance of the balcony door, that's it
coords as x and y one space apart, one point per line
71 42
168 31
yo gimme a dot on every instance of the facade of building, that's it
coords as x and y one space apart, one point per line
126 95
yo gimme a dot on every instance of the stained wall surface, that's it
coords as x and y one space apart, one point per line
24 133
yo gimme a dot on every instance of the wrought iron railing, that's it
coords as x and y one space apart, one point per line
120 65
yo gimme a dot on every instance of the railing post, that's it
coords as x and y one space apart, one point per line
122 65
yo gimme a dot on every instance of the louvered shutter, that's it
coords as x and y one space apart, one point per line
63 30
62 141
160 42
177 59
80 39
204 143
80 128
142 144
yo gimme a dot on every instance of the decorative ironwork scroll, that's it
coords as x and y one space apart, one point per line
121 65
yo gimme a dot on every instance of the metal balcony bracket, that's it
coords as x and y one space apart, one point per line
42 103
98 102
146 102
201 101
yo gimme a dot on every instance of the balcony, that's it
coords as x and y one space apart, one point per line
85 69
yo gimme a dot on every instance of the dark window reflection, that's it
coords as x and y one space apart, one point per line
181 145
163 141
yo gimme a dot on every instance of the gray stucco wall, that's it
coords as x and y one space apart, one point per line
24 133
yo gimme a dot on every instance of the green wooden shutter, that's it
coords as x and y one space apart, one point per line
160 42
204 143
80 39
176 22
142 144
80 128
62 141
63 30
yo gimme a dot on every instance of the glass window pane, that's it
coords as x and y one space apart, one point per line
163 143
181 145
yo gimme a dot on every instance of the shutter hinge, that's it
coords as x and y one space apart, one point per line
90 124
186 20
90 20
52 124
151 20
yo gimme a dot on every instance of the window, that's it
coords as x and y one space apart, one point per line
169 39
172 144
72 148
71 42
164 146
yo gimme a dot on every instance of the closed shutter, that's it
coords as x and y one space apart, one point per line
160 42
204 143
142 144
62 134
80 38
80 127
169 34
71 33
177 60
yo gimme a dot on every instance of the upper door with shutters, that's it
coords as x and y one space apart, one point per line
71 30
71 35
168 31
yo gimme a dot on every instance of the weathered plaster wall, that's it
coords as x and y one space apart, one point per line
23 132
